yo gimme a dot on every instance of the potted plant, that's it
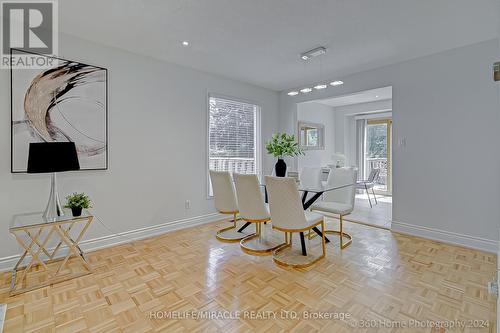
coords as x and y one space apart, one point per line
280 145
76 202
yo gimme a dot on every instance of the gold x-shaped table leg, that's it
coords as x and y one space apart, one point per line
28 249
52 256
73 246
35 239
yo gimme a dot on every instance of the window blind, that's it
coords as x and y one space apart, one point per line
232 136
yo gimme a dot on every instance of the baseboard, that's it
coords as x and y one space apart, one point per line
7 263
472 242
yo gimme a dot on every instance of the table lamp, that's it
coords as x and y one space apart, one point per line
52 157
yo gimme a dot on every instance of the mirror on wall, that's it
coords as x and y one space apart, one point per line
311 136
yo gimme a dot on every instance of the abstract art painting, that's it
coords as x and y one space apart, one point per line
67 102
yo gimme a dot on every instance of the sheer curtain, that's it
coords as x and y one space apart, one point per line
360 147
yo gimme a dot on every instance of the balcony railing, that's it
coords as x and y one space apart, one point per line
232 164
378 163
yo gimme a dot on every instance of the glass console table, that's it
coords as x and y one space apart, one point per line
41 240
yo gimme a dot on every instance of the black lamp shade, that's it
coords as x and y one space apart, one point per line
52 157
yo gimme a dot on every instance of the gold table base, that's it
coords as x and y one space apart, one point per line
61 229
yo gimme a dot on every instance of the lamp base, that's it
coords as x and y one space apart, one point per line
54 209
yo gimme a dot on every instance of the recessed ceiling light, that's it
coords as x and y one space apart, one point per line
376 96
320 86
293 93
337 83
185 43
305 90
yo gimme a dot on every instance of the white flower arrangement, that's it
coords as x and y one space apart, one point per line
339 160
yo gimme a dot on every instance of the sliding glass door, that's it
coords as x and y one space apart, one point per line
378 152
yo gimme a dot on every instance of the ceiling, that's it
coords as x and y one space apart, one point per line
366 96
258 41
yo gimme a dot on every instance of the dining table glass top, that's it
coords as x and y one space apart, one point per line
20 221
311 188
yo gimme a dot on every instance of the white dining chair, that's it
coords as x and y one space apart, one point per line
225 203
253 209
288 216
311 176
339 202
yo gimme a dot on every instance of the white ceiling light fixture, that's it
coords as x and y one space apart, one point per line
313 53
307 56
336 83
185 43
293 93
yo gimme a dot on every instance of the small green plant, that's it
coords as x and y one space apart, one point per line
282 144
78 200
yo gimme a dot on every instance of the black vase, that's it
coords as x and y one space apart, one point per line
280 168
77 211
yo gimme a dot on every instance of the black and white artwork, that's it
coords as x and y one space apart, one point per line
67 102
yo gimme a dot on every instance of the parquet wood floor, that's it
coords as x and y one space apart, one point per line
385 277
379 215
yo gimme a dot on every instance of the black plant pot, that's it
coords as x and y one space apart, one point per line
76 211
280 168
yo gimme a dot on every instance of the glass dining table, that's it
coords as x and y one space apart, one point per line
316 191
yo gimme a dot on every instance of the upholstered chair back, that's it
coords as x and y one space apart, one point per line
223 189
250 201
341 177
310 177
285 204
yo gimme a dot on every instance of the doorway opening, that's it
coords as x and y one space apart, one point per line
357 131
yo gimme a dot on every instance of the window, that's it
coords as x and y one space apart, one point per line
233 133
377 152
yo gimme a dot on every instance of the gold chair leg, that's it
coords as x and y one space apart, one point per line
255 245
341 234
227 235
284 262
341 231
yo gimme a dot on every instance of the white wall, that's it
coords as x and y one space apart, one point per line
320 114
157 143
446 180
